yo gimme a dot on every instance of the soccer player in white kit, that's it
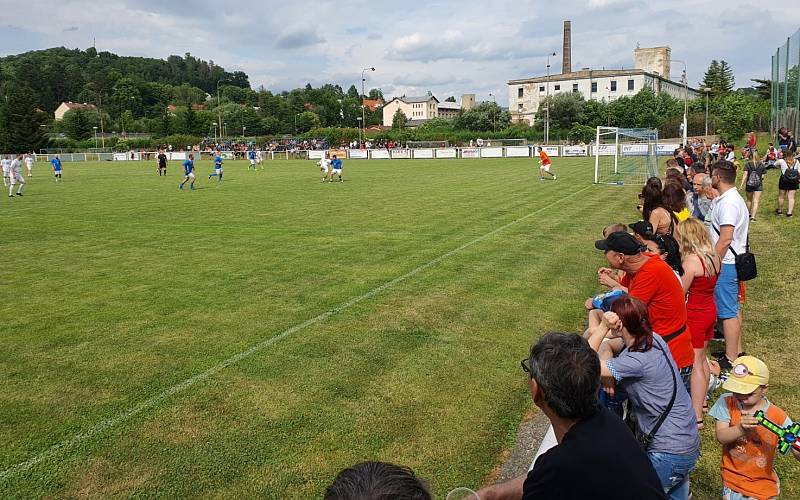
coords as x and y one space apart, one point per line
16 177
29 164
324 166
6 162
260 159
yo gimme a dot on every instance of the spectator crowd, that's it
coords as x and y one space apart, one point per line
627 399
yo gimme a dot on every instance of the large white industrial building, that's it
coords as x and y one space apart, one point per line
651 70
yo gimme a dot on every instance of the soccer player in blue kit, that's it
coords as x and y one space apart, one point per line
336 168
251 155
217 167
56 168
188 173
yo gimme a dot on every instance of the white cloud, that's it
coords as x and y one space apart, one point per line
452 48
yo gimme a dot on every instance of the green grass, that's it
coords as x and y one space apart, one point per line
116 286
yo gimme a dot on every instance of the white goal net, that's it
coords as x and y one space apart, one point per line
625 155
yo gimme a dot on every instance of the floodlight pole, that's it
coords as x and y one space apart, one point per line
95 137
547 100
707 90
685 99
363 95
494 112
359 130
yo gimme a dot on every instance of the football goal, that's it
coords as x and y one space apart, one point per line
625 155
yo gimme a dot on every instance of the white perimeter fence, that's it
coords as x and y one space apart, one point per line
662 149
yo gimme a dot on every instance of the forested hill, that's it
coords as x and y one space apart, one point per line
59 74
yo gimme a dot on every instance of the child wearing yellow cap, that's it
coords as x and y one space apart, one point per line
749 449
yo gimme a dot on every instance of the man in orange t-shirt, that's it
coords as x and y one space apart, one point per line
544 165
651 280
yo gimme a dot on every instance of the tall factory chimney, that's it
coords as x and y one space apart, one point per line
566 62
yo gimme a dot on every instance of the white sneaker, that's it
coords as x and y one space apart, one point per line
554 177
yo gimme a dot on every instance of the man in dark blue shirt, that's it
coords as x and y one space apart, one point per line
188 173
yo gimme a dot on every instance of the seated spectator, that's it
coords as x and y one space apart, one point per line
770 157
640 362
377 481
593 444
748 451
652 281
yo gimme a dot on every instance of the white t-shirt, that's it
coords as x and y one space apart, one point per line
729 209
6 163
324 163
16 166
731 156
29 161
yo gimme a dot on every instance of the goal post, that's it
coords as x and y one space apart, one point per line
625 155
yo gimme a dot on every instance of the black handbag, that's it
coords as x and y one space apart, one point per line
745 262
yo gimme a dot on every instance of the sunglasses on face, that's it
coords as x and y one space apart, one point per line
526 366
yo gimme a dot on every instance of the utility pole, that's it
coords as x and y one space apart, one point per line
547 100
219 107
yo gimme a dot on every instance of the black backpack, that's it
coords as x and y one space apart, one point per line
754 176
792 174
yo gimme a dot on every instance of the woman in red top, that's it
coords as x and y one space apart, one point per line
701 265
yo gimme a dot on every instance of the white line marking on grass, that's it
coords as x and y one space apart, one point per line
104 425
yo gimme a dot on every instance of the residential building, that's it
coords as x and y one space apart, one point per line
67 106
372 104
418 110
415 108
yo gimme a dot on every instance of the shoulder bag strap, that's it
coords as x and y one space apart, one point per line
663 416
730 247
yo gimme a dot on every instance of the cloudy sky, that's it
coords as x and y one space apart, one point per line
449 47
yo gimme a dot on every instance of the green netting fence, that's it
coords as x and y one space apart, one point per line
786 85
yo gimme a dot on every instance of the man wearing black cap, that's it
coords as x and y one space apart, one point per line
651 280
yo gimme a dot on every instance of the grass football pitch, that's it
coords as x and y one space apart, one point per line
252 338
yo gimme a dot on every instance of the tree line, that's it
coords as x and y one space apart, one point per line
195 98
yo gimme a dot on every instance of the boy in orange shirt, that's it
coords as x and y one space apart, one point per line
749 449
544 165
